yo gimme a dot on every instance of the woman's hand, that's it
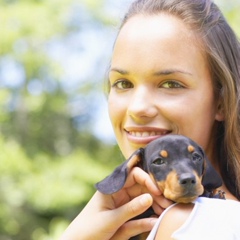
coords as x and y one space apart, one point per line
107 217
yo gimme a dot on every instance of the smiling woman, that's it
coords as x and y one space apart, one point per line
175 69
158 93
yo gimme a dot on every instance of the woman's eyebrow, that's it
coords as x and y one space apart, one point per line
158 73
118 70
170 71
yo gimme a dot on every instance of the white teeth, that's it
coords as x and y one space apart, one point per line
146 134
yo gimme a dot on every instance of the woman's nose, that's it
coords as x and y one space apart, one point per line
142 105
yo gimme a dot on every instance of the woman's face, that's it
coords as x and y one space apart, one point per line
160 84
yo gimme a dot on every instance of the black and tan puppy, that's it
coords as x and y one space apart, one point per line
176 164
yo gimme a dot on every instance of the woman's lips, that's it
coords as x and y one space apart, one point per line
144 135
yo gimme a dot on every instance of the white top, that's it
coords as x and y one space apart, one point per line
210 219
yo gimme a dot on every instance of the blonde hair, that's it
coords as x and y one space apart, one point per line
222 49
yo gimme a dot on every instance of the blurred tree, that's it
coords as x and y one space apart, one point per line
49 158
36 102
34 194
36 111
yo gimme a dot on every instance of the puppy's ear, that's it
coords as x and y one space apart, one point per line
117 179
211 178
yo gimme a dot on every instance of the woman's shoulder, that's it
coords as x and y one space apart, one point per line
205 219
217 207
211 219
214 202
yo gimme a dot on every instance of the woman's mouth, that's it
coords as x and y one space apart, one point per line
145 136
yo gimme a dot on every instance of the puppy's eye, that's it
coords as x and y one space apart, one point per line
196 157
158 161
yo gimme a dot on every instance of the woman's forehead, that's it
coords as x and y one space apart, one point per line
163 23
155 44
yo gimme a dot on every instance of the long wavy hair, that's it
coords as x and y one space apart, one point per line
222 49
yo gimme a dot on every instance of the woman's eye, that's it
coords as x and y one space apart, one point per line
171 84
122 84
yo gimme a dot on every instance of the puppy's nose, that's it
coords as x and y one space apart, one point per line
187 179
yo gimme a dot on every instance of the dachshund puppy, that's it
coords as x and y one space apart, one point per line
177 165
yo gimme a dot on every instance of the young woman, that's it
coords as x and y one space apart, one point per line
175 69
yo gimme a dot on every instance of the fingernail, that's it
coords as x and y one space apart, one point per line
146 200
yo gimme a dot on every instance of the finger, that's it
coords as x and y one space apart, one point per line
137 175
162 201
157 209
133 228
132 209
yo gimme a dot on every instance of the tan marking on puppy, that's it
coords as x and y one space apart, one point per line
161 186
164 153
172 190
191 148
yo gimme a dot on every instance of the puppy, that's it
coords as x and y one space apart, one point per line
177 165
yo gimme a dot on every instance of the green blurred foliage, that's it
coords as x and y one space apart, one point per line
26 29
48 167
48 163
38 196
231 9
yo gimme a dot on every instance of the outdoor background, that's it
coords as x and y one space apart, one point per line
55 137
